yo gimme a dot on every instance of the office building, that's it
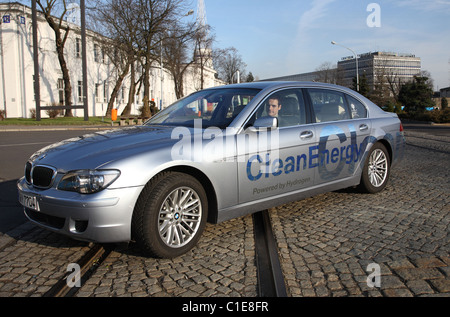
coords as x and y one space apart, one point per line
379 67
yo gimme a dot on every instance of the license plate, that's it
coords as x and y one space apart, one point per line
29 201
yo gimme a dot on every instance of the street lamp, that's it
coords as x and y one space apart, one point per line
238 78
356 59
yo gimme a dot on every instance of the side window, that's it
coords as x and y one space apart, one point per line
328 105
356 107
287 105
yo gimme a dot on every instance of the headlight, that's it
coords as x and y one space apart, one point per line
88 181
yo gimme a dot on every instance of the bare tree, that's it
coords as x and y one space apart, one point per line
227 62
153 18
140 28
176 54
203 54
381 91
327 73
115 20
429 81
61 29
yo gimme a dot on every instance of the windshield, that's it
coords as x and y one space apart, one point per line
216 108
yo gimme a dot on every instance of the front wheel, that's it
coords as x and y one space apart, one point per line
375 174
170 215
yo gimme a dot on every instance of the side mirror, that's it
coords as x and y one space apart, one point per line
264 124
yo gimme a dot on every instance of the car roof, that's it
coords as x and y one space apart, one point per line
280 84
268 86
273 85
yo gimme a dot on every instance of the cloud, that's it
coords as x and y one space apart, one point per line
300 48
310 17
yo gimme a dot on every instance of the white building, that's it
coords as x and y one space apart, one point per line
17 69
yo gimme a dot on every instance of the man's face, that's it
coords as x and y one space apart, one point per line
273 107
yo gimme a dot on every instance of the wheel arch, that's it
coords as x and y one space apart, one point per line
204 181
388 147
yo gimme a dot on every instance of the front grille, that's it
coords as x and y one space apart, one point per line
42 176
28 167
51 221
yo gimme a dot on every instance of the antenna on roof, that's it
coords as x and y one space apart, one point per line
201 13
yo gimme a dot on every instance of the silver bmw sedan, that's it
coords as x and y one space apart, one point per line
217 154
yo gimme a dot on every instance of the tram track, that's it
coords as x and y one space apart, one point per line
270 280
429 148
87 264
427 139
270 275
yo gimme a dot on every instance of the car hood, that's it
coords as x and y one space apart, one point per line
96 149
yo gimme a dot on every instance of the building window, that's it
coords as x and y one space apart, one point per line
102 52
80 91
105 91
120 95
78 47
96 53
60 86
96 92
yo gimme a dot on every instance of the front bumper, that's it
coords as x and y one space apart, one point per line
103 217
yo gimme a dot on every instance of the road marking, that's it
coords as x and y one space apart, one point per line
23 144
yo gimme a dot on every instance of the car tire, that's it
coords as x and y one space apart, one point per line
376 170
170 215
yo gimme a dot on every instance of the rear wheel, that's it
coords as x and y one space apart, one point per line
170 215
376 170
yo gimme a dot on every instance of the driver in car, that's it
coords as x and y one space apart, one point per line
273 106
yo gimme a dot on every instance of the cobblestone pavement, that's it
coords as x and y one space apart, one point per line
325 245
221 265
32 260
327 242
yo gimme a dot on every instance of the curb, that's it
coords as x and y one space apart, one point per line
17 128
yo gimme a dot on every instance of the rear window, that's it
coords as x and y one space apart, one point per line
357 109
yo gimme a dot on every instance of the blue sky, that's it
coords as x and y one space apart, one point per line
285 37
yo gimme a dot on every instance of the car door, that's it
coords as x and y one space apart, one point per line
275 161
341 130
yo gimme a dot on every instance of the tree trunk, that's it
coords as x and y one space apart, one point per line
62 62
127 110
146 110
115 91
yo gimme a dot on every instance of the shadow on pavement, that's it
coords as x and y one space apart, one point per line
12 217
11 212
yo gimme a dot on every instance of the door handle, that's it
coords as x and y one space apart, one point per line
363 127
306 135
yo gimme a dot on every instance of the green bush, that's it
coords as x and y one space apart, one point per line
436 116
